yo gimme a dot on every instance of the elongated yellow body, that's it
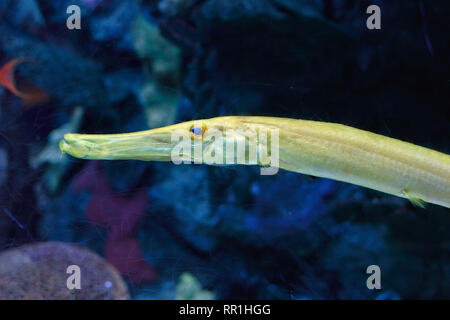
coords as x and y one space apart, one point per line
315 148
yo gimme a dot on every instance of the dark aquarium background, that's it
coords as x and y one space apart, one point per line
145 230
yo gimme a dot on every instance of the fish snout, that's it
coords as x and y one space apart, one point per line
74 145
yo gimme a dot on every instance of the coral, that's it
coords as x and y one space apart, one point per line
150 44
3 165
23 13
115 24
189 288
52 155
78 71
193 218
162 62
38 271
121 216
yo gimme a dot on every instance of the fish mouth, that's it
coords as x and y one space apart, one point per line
144 145
76 147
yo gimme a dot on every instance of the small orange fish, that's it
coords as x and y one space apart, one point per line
30 94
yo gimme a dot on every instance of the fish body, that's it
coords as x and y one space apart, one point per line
321 149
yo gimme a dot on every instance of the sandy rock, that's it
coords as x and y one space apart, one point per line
38 271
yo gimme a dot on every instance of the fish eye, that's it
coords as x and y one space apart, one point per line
198 131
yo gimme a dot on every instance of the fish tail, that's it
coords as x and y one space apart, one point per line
32 94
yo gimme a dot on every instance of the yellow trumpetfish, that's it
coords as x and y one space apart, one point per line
322 149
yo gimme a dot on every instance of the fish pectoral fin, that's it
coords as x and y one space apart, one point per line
264 165
415 201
